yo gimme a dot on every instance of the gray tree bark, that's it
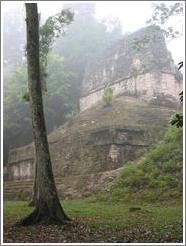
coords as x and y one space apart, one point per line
33 201
48 209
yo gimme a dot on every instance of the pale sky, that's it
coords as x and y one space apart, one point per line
132 15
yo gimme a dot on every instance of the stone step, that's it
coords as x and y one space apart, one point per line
24 185
18 187
13 193
17 184
13 182
17 190
17 196
21 189
18 180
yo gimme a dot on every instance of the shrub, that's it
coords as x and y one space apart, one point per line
155 176
107 96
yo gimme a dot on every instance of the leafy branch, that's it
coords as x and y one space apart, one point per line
49 32
178 118
161 16
52 29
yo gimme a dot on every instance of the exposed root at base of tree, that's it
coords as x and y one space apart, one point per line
39 216
32 203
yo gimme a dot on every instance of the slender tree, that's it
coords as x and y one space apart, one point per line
48 209
48 33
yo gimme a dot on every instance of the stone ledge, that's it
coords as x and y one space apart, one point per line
21 160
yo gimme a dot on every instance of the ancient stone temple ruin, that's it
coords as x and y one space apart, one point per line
88 151
138 65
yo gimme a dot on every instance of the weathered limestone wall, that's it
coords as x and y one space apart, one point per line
87 152
139 65
20 170
20 164
93 152
149 87
82 163
100 140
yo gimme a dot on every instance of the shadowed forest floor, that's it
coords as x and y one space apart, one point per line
99 222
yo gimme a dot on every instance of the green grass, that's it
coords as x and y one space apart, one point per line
108 213
158 219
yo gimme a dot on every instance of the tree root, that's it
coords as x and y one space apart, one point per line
31 203
39 216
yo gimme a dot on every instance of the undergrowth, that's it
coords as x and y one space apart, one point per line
156 176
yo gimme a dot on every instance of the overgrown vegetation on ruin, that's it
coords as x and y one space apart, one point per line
156 176
107 96
114 200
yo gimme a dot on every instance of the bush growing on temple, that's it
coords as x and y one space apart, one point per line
107 96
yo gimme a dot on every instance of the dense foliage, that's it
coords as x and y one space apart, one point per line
63 66
156 176
16 113
85 39
161 17
177 120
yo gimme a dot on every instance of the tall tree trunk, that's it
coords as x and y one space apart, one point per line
48 208
33 201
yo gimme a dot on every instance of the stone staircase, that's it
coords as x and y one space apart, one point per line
68 187
17 189
20 189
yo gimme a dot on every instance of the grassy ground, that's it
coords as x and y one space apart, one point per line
143 205
94 221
